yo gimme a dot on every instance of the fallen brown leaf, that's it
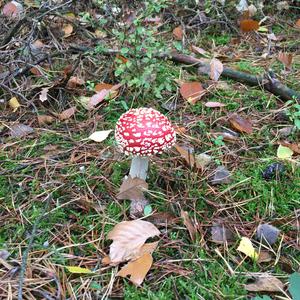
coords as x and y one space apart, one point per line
67 114
198 50
297 24
192 91
132 189
249 25
264 256
137 269
265 283
189 225
240 124
128 238
214 104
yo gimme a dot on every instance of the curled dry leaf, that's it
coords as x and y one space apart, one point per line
100 136
297 24
67 114
68 30
248 25
178 33
74 82
240 124
189 225
132 189
128 238
192 91
216 69
137 269
286 59
265 283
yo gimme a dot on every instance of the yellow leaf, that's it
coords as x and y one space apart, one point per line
78 270
247 248
14 103
263 29
284 152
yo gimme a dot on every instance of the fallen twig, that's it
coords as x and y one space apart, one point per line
30 243
266 81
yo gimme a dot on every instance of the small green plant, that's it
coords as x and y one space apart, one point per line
139 65
294 112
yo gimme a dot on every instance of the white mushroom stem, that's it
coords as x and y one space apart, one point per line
139 167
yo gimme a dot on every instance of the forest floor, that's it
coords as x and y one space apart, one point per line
58 189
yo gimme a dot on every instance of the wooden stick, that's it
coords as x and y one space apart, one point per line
266 81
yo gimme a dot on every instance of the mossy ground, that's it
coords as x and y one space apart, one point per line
83 178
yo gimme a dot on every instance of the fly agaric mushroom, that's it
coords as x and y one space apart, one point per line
143 132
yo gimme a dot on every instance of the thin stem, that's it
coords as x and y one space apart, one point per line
139 167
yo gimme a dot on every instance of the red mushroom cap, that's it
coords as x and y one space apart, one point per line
144 132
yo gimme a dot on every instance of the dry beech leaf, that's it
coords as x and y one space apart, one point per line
67 114
137 269
286 59
12 9
265 283
192 91
240 124
216 69
128 238
249 25
14 103
45 119
20 130
75 81
123 59
214 104
189 225
297 24
178 33
132 189
44 94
